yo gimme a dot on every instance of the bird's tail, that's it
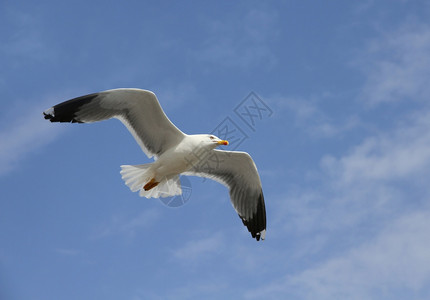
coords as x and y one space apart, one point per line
136 177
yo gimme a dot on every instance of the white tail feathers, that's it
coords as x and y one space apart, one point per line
137 176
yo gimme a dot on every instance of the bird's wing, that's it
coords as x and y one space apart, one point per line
237 171
137 109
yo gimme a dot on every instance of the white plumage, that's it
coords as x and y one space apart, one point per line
174 151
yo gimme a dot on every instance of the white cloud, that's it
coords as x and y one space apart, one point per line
308 115
360 228
26 131
397 65
176 94
195 289
197 249
127 225
23 128
395 261
242 41
25 38
389 156
67 252
374 181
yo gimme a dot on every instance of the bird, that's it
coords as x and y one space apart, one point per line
175 153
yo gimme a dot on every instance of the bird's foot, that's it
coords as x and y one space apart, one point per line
151 184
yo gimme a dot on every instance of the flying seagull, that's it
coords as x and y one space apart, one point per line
174 151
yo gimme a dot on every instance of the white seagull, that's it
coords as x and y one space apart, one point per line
174 151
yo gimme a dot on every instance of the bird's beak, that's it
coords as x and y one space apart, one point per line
225 143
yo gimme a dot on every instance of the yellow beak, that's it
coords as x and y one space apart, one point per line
225 143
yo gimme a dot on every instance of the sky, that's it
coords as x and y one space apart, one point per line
342 148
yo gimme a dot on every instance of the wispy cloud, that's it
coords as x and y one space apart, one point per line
25 38
197 249
362 220
389 156
26 131
127 225
176 94
397 65
308 115
246 45
360 187
67 251
394 261
195 289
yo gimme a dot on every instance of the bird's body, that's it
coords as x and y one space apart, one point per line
180 158
175 152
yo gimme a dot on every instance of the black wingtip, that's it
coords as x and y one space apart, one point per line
47 116
65 112
257 224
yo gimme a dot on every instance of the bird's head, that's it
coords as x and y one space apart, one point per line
214 140
207 141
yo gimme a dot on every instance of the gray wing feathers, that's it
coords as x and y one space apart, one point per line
138 110
238 172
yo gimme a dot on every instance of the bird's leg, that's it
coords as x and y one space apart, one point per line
151 184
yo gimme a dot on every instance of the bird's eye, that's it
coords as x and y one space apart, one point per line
211 137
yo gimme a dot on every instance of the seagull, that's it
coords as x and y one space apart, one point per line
174 152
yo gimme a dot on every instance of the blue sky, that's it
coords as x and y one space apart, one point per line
344 158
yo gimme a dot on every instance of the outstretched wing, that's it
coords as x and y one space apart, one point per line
139 110
237 171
